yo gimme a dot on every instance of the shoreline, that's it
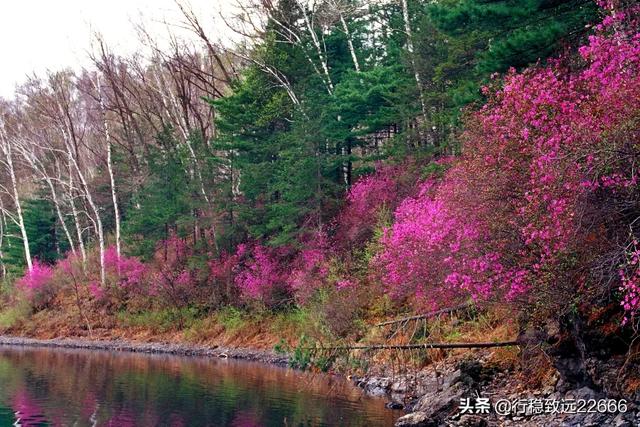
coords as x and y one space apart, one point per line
189 350
178 349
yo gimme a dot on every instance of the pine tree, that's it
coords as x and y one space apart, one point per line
42 229
166 202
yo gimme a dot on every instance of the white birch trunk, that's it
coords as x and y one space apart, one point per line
56 204
352 50
32 158
114 196
3 226
316 43
96 213
76 220
5 145
94 208
410 49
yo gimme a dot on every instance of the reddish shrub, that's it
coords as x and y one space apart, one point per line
176 281
545 181
37 284
371 194
310 268
261 277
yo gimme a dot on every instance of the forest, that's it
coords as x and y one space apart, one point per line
345 162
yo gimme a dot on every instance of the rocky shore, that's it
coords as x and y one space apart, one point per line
151 348
435 398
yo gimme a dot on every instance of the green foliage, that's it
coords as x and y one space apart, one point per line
46 241
161 320
166 201
477 37
12 315
231 318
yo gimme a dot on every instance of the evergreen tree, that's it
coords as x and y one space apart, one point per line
42 229
166 202
487 36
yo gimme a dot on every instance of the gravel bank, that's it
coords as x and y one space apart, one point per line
151 348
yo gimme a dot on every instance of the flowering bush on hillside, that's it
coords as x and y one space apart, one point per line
176 281
630 282
310 268
545 181
436 252
127 273
222 273
37 284
368 197
262 277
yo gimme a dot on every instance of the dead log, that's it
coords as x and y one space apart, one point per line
424 346
425 316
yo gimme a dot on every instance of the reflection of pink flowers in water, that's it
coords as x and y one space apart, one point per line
89 405
28 411
176 420
246 419
123 418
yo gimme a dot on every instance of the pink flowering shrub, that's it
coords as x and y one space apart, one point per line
436 252
310 268
37 284
129 272
98 292
344 284
176 281
546 179
262 277
367 197
222 273
630 282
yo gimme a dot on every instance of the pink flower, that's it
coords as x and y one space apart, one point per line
35 280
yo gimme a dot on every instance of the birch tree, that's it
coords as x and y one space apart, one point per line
112 181
6 147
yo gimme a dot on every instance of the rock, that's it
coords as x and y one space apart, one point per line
376 391
472 421
620 421
584 393
438 405
394 405
415 419
375 386
399 386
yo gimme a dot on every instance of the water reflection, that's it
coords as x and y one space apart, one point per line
40 387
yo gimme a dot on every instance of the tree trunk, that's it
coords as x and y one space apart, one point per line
410 50
114 196
94 209
56 204
76 221
6 149
352 50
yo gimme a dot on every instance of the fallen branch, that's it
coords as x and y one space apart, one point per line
425 316
425 346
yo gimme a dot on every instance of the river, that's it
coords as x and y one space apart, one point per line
60 387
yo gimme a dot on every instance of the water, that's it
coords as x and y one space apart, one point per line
41 387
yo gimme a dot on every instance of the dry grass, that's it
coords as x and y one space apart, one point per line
491 326
234 328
